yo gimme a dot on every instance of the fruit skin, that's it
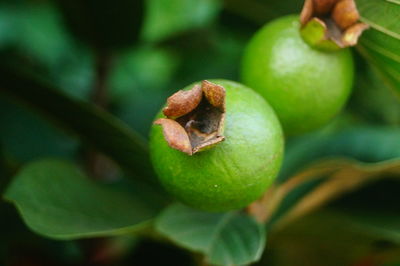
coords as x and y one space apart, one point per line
233 173
306 87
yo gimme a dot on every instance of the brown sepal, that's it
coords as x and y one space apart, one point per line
351 35
183 102
307 12
340 18
175 135
194 122
345 14
214 93
323 7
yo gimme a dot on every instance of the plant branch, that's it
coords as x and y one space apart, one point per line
93 125
100 90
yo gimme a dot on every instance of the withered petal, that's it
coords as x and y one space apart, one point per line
331 24
175 135
323 7
197 127
345 13
306 12
351 35
208 144
183 102
214 93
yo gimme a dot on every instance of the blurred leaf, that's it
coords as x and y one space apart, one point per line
363 143
372 100
218 48
137 68
40 42
8 21
382 224
261 11
139 82
40 140
41 34
56 200
374 208
383 52
43 38
7 169
382 15
166 18
90 123
359 228
103 24
380 45
231 238
331 234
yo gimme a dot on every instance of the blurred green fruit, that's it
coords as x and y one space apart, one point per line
306 87
232 173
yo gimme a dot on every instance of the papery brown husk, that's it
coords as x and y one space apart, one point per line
194 118
339 18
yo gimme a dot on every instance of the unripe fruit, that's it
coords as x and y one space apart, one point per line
305 86
245 155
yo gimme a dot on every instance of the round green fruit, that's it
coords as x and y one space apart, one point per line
306 87
231 173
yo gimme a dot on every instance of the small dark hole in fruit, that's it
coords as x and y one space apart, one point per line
202 123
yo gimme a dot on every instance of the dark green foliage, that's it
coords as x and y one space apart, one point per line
104 24
70 169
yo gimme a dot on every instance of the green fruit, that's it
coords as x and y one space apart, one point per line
233 173
305 86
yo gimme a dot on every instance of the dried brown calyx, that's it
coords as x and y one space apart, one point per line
195 118
331 24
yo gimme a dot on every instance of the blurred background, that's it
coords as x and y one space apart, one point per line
127 56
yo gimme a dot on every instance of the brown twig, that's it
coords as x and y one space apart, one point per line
263 208
99 91
98 165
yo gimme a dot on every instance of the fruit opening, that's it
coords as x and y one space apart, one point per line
195 118
331 24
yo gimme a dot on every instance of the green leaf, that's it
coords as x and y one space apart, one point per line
383 52
231 238
372 207
382 15
23 145
378 223
58 57
165 18
363 143
55 199
35 24
329 233
372 101
8 21
381 44
91 124
105 25
349 229
261 12
132 74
